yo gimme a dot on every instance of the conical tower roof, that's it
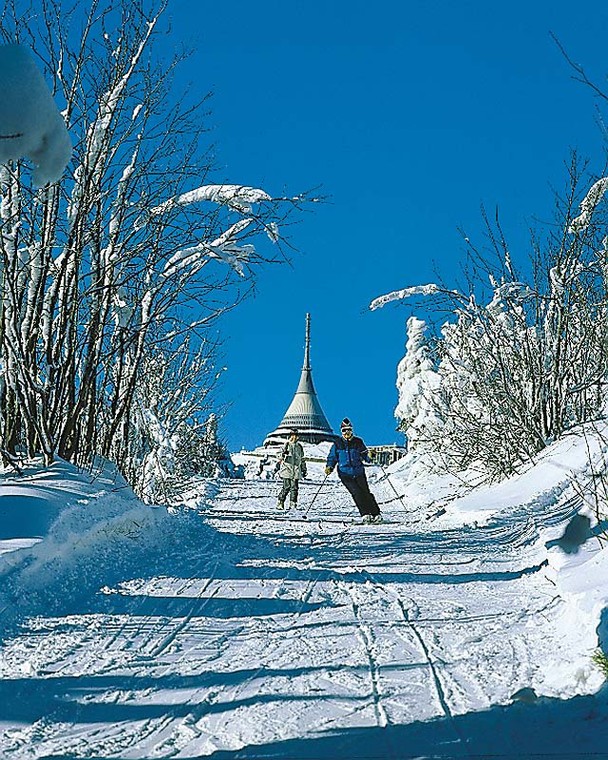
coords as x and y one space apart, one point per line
304 412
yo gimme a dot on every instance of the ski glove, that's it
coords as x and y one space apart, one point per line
328 470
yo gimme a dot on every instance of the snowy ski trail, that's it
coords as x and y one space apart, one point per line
282 634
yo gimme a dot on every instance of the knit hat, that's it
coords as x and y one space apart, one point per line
346 424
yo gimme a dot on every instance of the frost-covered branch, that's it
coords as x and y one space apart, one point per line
589 205
237 197
414 290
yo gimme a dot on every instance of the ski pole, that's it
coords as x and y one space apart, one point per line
386 475
305 515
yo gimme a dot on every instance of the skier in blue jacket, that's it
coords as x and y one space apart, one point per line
349 453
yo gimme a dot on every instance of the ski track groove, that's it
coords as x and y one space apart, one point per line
201 708
441 695
436 679
153 627
367 638
127 622
123 742
170 637
501 536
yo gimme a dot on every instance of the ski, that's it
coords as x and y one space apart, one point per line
347 521
309 520
277 517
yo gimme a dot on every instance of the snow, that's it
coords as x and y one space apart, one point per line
588 205
225 247
513 291
417 381
222 628
30 123
558 472
237 197
400 295
195 257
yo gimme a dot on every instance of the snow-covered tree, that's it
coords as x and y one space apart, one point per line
417 383
519 360
162 442
135 248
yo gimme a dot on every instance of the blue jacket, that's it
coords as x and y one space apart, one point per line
349 456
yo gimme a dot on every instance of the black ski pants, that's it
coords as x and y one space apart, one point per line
359 490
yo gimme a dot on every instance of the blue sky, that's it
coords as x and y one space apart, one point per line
410 115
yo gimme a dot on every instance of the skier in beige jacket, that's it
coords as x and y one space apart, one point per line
292 467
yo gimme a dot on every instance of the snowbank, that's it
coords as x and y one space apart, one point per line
89 529
556 494
557 471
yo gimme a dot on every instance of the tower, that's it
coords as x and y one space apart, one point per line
304 412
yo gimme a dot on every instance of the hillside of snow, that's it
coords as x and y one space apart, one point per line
463 626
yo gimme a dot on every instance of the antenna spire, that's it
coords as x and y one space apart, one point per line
307 344
304 412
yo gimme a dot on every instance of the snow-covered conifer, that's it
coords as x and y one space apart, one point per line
417 382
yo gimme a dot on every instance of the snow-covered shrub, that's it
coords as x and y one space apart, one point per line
172 434
520 359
